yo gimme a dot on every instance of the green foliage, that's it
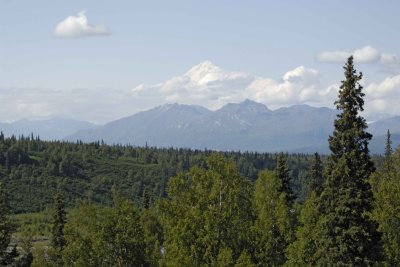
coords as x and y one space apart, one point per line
153 235
282 173
38 224
386 187
302 251
6 229
41 257
83 236
122 230
388 163
104 236
207 214
26 249
316 179
388 147
244 260
349 237
224 258
146 199
31 170
273 228
59 220
57 238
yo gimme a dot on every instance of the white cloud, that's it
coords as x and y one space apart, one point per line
297 86
337 56
366 54
384 96
78 26
205 84
209 85
389 87
390 60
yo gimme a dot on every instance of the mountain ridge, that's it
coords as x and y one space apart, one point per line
246 126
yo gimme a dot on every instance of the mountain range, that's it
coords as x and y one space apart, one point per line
245 126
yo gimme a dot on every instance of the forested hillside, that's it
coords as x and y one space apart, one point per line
32 170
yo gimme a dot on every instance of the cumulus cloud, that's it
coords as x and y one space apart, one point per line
296 87
208 85
365 54
205 84
336 56
390 60
388 87
384 96
78 26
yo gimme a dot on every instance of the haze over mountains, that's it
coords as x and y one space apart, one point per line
241 126
50 129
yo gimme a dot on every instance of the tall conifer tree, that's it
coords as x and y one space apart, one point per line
282 173
59 219
349 237
316 179
388 147
387 167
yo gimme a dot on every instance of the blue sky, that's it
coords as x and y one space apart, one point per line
131 44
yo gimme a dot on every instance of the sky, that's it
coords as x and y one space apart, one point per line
102 60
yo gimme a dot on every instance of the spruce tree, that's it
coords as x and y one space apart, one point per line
282 173
59 219
388 147
315 180
349 237
145 199
388 162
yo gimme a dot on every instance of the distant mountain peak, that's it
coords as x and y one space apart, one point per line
182 107
246 125
205 72
245 106
249 102
205 66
